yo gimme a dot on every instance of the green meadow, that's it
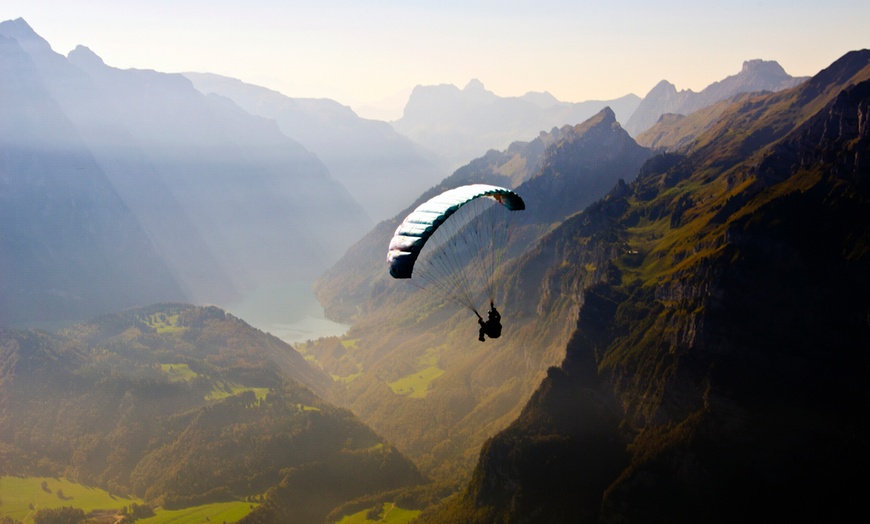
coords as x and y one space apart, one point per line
390 514
220 389
21 497
164 323
218 512
179 372
416 385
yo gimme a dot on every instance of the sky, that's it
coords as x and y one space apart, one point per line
369 54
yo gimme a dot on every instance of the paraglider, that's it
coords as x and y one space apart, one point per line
490 327
453 243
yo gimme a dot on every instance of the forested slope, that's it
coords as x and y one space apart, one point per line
182 406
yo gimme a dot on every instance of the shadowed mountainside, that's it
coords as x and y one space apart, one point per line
718 370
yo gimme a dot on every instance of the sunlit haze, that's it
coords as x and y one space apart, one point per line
370 54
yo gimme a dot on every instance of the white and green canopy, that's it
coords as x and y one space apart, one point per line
418 227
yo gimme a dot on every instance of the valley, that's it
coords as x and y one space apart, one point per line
682 301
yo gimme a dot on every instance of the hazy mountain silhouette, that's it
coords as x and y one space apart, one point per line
382 169
756 75
69 246
718 366
460 124
233 206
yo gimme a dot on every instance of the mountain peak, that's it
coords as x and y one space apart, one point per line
607 115
474 85
543 99
20 30
767 67
83 55
755 75
663 87
18 25
604 119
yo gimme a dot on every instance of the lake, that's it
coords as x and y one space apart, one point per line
289 312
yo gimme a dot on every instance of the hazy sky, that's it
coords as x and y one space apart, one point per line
366 51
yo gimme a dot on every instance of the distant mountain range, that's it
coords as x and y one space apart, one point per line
209 202
756 75
462 124
382 169
218 205
69 244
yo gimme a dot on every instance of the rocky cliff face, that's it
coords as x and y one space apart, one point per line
719 368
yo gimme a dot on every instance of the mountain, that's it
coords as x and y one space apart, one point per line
232 206
68 241
756 75
411 365
382 169
718 366
347 287
183 406
459 124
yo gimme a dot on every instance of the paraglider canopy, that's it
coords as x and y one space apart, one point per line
464 232
418 227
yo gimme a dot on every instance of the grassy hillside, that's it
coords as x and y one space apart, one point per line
22 497
182 406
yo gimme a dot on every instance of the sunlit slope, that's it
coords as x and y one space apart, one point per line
719 366
405 338
184 406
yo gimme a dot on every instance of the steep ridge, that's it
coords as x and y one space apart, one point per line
719 367
368 157
402 335
69 245
233 206
183 406
755 76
